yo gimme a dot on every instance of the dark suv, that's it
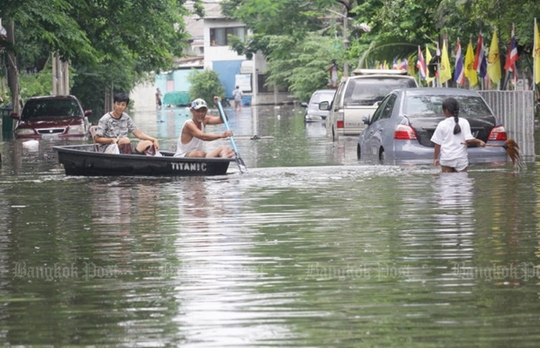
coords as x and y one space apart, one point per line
52 117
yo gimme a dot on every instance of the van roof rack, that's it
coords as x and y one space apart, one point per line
379 72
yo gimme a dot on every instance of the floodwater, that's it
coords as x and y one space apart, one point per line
309 248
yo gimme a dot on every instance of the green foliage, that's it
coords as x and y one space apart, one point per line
109 43
205 84
36 84
305 68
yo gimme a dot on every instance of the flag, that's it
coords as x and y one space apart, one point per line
494 61
428 60
403 65
446 73
512 56
421 64
470 73
480 63
459 74
536 53
395 64
410 65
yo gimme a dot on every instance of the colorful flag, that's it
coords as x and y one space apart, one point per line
446 73
536 53
512 56
421 64
470 73
428 60
459 74
403 65
494 61
480 64
395 64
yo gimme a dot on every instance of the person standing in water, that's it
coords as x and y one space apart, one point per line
451 138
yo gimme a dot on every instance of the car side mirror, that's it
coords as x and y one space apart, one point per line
365 119
15 116
324 106
304 104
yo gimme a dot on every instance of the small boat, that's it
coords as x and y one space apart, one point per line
84 160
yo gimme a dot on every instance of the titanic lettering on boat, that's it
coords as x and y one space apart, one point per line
198 167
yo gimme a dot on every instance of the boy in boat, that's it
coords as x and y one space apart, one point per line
192 137
115 126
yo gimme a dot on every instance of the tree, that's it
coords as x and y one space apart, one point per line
205 84
111 44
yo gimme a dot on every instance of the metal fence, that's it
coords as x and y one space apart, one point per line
515 110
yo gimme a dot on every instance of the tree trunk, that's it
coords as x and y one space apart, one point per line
13 71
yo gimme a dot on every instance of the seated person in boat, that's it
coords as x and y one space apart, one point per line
115 126
192 137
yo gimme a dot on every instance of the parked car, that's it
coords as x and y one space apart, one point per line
313 113
359 96
400 130
52 117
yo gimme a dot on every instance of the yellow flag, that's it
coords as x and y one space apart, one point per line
470 73
411 64
446 69
536 54
494 61
428 60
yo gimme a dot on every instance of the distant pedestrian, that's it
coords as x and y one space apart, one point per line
158 99
238 95
451 138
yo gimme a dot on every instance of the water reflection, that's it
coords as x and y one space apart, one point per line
309 248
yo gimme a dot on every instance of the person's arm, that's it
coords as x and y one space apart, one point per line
475 142
101 139
139 134
436 154
197 133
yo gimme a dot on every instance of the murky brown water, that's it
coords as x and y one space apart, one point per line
309 248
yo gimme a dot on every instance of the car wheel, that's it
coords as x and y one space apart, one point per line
382 156
358 152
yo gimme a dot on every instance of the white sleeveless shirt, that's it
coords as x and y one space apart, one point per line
194 144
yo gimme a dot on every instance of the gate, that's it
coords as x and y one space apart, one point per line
515 110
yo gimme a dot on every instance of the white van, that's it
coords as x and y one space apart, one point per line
359 96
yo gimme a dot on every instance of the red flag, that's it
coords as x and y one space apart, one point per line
421 64
459 74
480 62
512 57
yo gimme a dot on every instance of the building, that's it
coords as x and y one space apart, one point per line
209 49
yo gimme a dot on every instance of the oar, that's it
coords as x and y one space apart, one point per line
239 160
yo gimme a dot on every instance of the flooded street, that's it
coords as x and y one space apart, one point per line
309 248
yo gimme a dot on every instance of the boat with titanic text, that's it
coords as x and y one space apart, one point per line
84 160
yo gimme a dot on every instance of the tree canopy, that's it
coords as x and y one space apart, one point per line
398 27
109 43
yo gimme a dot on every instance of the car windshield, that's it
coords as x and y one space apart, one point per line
50 108
432 105
368 91
317 98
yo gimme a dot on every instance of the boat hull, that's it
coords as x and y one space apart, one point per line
83 160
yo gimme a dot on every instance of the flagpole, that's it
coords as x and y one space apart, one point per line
534 58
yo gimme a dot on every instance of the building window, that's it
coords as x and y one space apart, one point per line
218 36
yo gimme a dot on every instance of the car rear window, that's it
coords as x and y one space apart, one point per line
320 97
51 108
432 104
368 91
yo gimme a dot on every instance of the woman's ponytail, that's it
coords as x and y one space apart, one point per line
452 106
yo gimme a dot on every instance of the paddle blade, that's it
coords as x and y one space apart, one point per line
241 164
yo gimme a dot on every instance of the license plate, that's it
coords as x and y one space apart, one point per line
49 136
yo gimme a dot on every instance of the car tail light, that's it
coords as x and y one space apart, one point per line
498 133
404 132
339 124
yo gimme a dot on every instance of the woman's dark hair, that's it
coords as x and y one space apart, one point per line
452 106
121 97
